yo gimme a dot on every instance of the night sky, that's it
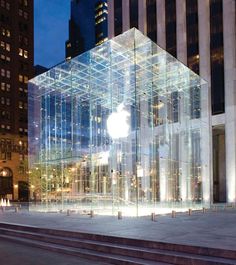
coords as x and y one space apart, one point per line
51 31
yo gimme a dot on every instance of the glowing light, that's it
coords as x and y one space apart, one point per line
140 171
159 105
117 123
103 158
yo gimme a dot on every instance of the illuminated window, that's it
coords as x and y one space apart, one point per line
8 87
8 33
8 102
2 56
3 86
25 54
2 72
26 79
20 52
21 78
8 59
20 12
8 47
25 15
25 2
2 100
8 74
3 44
21 106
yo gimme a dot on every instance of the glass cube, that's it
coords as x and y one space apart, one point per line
122 127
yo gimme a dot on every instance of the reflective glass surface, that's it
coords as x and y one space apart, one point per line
112 130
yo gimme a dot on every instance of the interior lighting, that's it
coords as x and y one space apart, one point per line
118 123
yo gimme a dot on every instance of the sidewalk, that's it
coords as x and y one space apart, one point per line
210 229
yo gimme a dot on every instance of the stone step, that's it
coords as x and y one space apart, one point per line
147 254
196 250
84 253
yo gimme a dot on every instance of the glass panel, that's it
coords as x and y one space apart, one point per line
113 129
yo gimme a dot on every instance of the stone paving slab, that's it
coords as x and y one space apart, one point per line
212 229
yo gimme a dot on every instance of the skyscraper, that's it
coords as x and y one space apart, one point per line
201 34
16 54
87 26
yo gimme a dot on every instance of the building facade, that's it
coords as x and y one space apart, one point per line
201 34
87 26
16 63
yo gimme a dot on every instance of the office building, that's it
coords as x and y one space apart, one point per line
16 63
200 34
39 69
87 26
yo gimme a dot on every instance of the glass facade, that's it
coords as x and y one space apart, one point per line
103 132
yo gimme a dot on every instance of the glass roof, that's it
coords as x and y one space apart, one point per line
129 65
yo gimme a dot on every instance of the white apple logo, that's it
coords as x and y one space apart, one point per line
117 123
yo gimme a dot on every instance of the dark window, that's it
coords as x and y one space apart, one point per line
192 35
133 13
152 20
170 12
193 53
6 183
118 16
23 191
195 94
217 56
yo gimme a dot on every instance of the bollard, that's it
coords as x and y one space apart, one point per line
91 213
189 211
68 212
16 209
173 214
153 217
204 210
119 215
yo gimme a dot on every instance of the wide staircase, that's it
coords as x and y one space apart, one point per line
113 249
